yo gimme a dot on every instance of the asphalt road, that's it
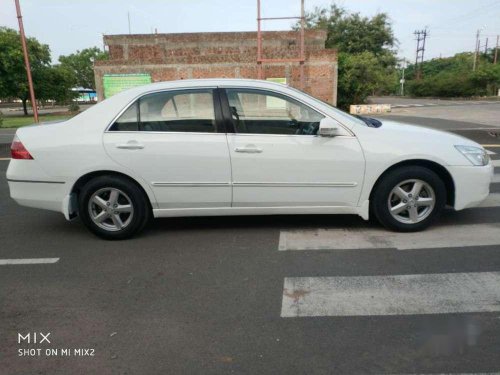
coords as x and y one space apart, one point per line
253 295
466 113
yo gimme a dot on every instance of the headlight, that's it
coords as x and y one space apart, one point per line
476 155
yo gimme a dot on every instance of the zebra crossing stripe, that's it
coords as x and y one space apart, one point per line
444 293
495 163
10 262
354 238
493 200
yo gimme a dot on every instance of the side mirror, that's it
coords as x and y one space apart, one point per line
329 128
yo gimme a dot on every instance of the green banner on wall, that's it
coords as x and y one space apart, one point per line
115 83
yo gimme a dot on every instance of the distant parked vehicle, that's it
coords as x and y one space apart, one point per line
239 147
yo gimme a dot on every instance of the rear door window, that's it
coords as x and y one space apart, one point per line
170 111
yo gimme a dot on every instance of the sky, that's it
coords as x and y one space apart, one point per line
70 25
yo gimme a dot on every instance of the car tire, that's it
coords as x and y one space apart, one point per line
397 207
113 207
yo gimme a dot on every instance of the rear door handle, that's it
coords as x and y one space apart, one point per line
131 145
248 150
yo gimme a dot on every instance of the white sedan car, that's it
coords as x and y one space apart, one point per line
239 147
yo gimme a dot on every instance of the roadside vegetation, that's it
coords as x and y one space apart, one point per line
19 121
454 77
368 64
366 52
52 81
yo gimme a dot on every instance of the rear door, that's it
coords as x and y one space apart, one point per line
176 142
278 160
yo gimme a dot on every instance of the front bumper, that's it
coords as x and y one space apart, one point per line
472 184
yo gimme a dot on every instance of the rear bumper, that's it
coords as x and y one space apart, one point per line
30 186
472 184
45 195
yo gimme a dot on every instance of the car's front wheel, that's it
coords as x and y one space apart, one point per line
113 208
409 199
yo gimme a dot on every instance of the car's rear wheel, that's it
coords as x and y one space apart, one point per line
113 207
409 199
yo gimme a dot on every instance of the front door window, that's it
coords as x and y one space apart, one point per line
266 112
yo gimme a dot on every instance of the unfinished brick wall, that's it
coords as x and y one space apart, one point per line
222 55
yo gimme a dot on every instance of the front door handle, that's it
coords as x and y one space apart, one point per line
248 150
130 145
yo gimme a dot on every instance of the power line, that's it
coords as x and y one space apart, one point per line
467 16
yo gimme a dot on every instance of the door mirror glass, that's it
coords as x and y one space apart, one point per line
329 128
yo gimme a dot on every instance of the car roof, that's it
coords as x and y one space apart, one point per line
206 82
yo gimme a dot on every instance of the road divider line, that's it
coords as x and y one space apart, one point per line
445 293
489 146
496 178
9 262
355 238
4 159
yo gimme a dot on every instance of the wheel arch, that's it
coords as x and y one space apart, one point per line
437 168
82 180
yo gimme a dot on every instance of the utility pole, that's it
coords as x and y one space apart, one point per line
476 52
27 61
128 15
402 81
496 51
419 59
486 47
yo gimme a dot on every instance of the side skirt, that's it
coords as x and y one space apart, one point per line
233 211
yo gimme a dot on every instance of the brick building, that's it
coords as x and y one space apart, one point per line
222 55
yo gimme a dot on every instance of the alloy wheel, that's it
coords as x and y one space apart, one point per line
110 209
411 201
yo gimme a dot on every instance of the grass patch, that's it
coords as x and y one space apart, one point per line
19 121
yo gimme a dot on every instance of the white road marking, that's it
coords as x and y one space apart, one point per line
379 238
8 262
493 200
490 152
444 293
418 105
4 159
495 163
496 179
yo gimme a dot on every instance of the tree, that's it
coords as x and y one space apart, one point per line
57 84
81 64
361 75
13 78
367 59
50 82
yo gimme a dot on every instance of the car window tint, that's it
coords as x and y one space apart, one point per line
127 121
264 112
179 111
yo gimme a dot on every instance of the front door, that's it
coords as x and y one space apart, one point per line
279 161
173 141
